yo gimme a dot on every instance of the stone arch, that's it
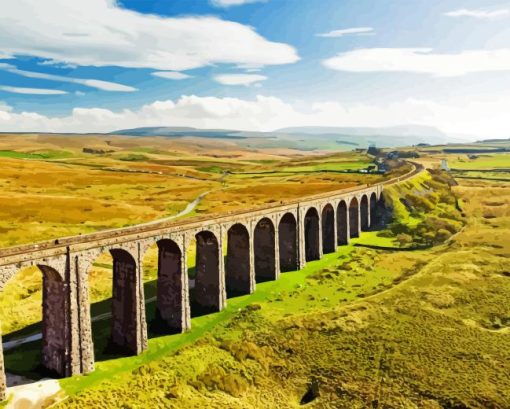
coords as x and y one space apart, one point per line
354 218
312 235
342 223
172 299
328 229
373 209
54 332
128 333
208 289
287 243
50 276
264 248
364 213
237 264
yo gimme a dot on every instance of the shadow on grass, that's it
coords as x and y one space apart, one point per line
264 279
235 293
26 359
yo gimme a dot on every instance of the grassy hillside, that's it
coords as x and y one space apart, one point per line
481 161
57 185
362 327
52 188
424 323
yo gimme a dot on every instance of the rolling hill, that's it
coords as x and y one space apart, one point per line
307 138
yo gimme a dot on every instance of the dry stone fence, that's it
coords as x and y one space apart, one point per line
261 243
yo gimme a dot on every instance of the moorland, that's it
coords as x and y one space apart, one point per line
420 321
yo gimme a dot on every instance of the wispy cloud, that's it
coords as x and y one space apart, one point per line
31 91
348 31
421 60
239 79
102 85
479 13
229 3
171 75
98 84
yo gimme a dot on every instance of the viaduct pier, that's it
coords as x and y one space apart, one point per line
261 243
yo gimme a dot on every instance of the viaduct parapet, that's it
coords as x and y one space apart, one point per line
261 243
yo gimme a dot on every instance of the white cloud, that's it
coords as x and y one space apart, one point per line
478 13
101 33
478 117
31 91
239 79
348 31
229 3
171 75
102 85
421 60
57 64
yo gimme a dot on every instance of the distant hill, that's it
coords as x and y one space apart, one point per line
309 137
179 132
381 137
396 131
503 141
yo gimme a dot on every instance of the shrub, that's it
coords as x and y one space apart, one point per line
404 239
429 199
442 235
215 377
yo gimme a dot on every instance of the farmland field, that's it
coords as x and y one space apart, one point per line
400 327
427 328
481 161
51 188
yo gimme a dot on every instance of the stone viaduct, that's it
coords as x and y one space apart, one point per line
261 243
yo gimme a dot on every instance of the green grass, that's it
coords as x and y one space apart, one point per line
267 292
35 155
295 292
482 161
415 329
211 169
421 329
134 157
327 167
162 346
496 176
373 238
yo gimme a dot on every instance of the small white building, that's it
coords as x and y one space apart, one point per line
444 165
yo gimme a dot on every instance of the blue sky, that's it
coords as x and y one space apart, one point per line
101 65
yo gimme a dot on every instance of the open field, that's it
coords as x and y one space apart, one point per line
427 328
480 161
481 164
51 188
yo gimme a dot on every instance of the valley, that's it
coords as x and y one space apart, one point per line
317 325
